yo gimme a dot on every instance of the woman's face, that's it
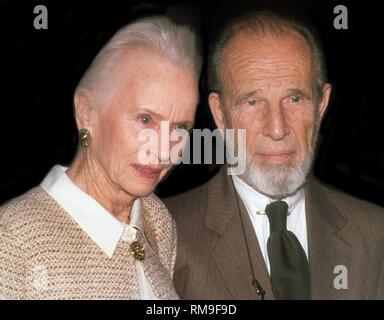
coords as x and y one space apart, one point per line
148 89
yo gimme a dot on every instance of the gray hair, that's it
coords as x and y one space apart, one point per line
158 33
265 22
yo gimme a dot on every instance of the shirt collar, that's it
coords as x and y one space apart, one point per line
99 224
256 202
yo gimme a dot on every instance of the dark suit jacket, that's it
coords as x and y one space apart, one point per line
212 260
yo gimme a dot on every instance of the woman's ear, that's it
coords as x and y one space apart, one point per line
217 111
83 109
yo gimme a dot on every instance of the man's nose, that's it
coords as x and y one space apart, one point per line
275 123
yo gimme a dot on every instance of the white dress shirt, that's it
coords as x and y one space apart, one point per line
100 225
255 202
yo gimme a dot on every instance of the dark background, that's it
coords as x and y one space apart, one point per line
39 70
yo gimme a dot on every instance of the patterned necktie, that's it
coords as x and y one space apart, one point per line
288 261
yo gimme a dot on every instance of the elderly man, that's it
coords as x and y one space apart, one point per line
273 233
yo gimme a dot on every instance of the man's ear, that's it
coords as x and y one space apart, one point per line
83 109
217 111
327 89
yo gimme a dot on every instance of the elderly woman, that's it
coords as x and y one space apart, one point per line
95 230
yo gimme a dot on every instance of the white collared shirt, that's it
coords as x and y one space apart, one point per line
100 225
255 202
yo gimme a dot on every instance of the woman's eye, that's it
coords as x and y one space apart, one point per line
145 119
181 127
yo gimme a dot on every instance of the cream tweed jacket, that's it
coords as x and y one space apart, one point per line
44 254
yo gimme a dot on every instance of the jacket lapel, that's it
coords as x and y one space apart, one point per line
326 245
158 276
230 252
160 248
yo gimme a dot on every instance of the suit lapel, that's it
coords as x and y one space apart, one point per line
327 248
326 245
230 252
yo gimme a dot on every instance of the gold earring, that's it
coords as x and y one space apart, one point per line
85 137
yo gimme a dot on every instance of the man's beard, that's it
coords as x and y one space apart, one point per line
280 181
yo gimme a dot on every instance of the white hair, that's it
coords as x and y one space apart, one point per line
175 42
279 181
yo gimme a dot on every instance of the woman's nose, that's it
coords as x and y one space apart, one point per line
164 148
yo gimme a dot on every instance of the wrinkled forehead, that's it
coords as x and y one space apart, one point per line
284 57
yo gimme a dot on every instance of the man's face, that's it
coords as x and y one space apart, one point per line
269 90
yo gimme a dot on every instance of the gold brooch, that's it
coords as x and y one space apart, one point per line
137 250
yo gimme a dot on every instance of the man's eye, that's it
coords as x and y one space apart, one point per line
252 102
145 119
295 99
